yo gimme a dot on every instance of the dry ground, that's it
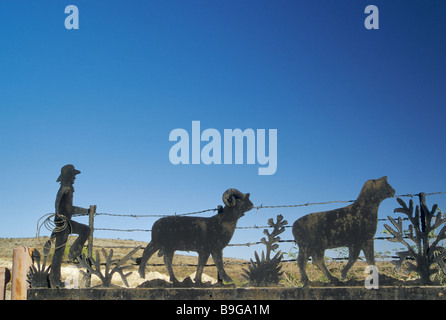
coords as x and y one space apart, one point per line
184 265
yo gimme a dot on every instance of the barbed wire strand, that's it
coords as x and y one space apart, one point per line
51 226
246 227
256 208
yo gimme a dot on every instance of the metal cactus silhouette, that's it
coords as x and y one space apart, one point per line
266 270
424 247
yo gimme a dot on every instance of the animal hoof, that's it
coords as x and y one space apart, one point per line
227 279
55 282
198 283
336 282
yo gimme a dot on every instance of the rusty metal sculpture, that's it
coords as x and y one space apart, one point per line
205 236
353 226
425 248
64 225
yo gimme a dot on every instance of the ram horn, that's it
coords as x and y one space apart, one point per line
230 196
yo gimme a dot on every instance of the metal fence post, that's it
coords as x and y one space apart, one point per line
91 225
90 239
21 263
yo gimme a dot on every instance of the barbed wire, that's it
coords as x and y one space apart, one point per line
246 227
256 208
152 215
248 244
48 224
246 262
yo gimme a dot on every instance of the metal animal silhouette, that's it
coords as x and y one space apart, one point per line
205 236
353 226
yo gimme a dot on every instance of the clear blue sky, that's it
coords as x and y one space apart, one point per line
349 104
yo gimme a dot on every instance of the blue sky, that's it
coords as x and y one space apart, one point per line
349 104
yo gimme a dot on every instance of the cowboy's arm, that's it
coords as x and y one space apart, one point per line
78 211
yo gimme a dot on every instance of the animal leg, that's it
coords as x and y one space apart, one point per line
168 260
302 259
218 259
148 252
318 260
202 259
353 254
369 252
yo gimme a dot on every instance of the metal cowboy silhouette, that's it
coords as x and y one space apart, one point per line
65 225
